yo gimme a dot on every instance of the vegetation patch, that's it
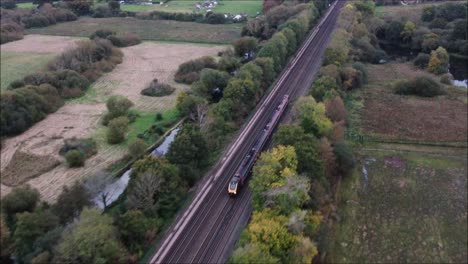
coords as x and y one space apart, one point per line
157 89
408 208
24 166
151 126
124 40
147 29
86 146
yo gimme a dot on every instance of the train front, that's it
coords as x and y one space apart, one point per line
233 185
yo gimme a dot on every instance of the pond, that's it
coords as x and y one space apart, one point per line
112 191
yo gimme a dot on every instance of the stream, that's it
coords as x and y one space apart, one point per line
113 191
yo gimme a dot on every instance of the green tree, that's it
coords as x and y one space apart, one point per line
337 56
94 239
268 70
245 45
71 201
306 146
137 147
311 116
439 61
5 239
31 226
117 106
135 229
117 129
75 158
292 40
345 157
251 254
210 80
19 200
242 93
428 13
408 31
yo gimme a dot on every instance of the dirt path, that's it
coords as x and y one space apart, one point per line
80 117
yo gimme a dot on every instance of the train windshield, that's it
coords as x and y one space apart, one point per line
233 184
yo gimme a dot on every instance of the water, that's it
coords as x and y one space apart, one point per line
459 70
112 191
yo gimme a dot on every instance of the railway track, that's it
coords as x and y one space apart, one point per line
208 229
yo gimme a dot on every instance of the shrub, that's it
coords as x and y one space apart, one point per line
420 85
75 158
102 33
421 60
215 18
125 40
117 129
8 4
136 147
118 105
188 72
19 200
158 89
159 117
10 31
344 157
87 146
446 78
79 7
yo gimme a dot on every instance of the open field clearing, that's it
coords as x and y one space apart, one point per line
410 207
29 55
389 116
163 30
81 117
250 7
16 65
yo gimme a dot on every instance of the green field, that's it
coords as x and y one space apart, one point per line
16 65
410 208
163 30
26 5
146 120
250 7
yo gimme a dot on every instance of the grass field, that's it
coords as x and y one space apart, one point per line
378 113
146 29
146 120
26 5
250 7
411 207
16 65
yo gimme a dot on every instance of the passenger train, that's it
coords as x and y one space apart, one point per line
247 163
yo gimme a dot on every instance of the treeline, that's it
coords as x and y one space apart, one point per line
442 25
29 100
209 18
13 21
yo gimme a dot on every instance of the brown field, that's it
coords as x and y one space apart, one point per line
80 117
390 116
40 44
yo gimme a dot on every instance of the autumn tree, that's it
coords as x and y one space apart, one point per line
335 109
439 61
251 254
94 239
303 251
325 86
311 116
408 31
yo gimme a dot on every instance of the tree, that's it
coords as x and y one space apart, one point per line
136 229
272 170
408 31
5 239
303 251
40 3
428 13
393 31
311 116
143 194
335 109
292 40
245 45
96 186
118 127
80 7
344 157
137 147
306 147
439 61
328 158
269 232
31 226
75 158
212 83
268 70
241 93
251 254
337 56
71 201
94 239
430 42
117 106
19 200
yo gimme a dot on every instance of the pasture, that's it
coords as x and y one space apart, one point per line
160 30
16 65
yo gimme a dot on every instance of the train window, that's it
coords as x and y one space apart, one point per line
233 184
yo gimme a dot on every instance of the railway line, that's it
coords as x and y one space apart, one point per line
209 227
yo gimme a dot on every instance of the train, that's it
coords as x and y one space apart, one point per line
247 163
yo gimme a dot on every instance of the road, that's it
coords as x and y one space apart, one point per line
209 227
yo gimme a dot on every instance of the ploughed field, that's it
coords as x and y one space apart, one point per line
37 148
163 30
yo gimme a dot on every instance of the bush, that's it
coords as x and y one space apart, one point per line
421 86
344 157
189 72
446 79
125 40
87 146
75 158
422 60
79 7
158 89
117 129
159 117
8 4
136 147
102 33
19 200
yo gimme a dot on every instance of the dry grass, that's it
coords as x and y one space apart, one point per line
80 117
25 166
389 116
